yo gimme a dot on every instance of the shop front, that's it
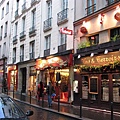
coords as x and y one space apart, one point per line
98 80
56 70
12 77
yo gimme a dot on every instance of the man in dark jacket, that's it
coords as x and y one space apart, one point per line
50 91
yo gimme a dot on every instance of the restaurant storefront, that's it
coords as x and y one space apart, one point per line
12 79
98 80
57 70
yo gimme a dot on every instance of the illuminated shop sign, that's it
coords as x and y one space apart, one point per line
66 31
101 60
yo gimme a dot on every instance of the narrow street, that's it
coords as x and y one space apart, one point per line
40 114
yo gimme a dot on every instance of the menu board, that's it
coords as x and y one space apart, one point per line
93 85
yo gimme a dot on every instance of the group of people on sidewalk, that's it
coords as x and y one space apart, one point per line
50 91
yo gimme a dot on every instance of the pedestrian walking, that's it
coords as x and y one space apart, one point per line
40 90
50 93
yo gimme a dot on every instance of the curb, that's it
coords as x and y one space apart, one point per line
54 111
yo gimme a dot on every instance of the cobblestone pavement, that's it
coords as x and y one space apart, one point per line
68 109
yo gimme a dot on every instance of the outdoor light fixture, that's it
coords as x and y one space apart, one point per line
101 18
79 56
106 51
92 54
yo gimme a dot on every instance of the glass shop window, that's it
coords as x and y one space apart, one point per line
104 88
94 40
84 87
116 87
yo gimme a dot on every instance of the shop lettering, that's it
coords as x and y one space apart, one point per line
101 59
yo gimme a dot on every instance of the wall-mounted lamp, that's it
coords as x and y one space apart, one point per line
92 54
106 51
79 56
84 22
101 18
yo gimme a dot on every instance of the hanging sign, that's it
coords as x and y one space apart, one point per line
117 16
66 31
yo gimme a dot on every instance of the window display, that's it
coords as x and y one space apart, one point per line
85 87
104 88
116 87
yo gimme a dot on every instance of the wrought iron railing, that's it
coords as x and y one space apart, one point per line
47 52
61 48
14 59
15 38
22 34
16 13
47 24
32 29
31 55
23 6
21 58
91 9
63 15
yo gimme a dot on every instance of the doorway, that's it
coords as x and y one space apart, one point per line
23 71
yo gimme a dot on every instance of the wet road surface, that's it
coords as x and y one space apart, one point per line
40 114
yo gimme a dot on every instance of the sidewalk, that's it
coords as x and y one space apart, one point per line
67 109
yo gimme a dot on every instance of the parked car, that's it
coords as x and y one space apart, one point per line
9 110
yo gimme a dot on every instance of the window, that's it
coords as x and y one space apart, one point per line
116 87
85 87
6 27
14 55
48 42
63 39
1 32
94 40
16 27
23 24
64 4
17 4
2 13
7 8
0 51
33 17
104 88
115 33
91 6
4 48
32 49
49 9
21 52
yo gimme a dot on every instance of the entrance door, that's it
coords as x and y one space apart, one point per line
23 71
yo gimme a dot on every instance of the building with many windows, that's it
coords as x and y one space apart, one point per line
5 33
41 46
97 52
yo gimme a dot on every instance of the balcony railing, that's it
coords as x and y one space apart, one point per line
14 59
31 55
22 35
62 16
47 24
5 35
33 2
61 48
21 58
112 2
23 7
91 9
15 39
32 31
47 52
16 13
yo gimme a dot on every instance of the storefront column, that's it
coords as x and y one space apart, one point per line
71 75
